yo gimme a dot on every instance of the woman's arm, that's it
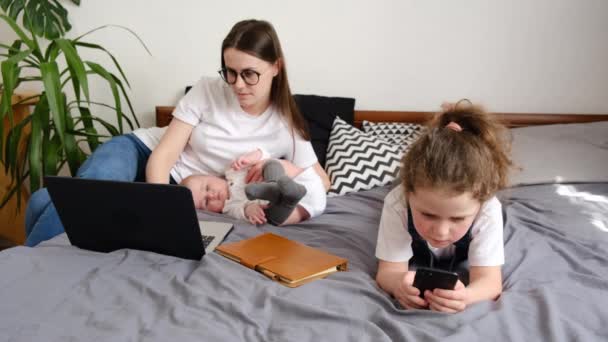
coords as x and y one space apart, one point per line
168 150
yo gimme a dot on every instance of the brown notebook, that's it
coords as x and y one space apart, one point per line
285 261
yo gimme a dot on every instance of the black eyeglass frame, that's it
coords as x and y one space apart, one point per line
224 71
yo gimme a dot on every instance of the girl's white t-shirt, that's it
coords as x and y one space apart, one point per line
223 131
395 242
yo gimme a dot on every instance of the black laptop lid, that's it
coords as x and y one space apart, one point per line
104 216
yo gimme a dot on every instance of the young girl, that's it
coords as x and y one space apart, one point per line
445 211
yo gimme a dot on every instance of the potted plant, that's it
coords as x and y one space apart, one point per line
63 121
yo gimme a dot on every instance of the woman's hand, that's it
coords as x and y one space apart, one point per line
407 295
254 213
448 300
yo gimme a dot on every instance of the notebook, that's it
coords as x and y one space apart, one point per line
105 216
288 262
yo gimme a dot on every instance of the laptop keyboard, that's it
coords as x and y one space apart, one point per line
207 239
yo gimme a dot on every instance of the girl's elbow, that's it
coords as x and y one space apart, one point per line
497 292
383 281
378 281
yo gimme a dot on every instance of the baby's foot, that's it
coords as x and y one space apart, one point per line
291 192
268 191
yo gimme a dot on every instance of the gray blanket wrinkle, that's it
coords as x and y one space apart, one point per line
554 284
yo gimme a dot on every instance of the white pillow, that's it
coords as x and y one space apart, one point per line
358 161
401 134
560 153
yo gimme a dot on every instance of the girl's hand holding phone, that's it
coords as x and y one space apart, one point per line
407 295
447 300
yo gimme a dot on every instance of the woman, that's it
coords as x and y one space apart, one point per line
218 120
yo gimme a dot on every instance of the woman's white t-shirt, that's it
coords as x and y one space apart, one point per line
223 131
395 242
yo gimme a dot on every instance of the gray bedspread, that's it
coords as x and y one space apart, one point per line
554 284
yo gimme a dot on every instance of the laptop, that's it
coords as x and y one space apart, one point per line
103 216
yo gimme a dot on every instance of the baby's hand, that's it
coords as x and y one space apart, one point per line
255 213
246 159
407 295
448 300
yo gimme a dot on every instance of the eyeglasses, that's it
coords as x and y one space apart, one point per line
250 77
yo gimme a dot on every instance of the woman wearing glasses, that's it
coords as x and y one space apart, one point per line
219 119
250 105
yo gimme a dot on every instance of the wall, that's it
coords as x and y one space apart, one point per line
513 56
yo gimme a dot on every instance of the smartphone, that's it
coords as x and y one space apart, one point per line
432 278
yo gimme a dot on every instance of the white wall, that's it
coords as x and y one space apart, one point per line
512 56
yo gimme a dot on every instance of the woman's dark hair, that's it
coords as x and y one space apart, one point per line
474 157
258 38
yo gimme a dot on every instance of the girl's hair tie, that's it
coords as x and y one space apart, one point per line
454 126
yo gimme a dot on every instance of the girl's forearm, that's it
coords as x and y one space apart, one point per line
486 287
389 281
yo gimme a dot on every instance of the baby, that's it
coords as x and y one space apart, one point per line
234 197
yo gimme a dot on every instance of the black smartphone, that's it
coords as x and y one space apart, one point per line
432 278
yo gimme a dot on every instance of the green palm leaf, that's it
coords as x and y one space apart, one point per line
46 18
54 124
75 65
39 118
18 31
87 121
12 147
101 71
10 76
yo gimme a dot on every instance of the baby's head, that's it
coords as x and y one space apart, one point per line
460 162
208 192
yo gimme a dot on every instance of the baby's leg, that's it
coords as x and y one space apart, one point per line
269 189
273 170
315 200
298 215
291 194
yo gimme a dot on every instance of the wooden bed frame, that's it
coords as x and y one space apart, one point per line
163 117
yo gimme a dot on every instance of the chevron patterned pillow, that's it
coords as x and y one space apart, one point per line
358 161
398 133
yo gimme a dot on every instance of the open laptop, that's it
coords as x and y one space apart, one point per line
104 216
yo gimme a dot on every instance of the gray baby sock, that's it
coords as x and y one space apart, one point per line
273 170
269 189
291 193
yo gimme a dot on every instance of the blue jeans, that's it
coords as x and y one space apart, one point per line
122 158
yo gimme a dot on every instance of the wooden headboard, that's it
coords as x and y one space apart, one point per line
163 117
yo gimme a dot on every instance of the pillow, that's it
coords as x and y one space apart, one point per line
320 112
560 153
400 134
358 161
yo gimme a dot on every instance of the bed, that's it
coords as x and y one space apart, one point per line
556 235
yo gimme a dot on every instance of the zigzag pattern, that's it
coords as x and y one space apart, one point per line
359 161
397 133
